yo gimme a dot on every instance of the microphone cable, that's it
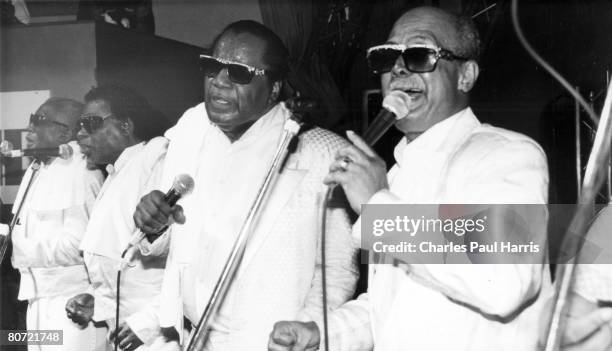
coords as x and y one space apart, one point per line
556 75
556 322
117 298
395 106
181 186
116 342
324 206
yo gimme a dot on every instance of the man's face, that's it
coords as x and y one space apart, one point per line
435 95
235 107
50 132
104 145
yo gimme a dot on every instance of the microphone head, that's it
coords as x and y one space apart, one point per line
397 102
183 184
6 147
65 151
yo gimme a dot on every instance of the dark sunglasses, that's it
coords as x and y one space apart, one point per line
92 123
419 59
40 119
238 73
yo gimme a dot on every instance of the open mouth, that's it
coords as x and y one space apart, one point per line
220 101
413 92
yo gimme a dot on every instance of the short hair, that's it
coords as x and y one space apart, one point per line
68 107
468 45
276 55
125 103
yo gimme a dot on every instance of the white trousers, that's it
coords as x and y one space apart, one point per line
49 313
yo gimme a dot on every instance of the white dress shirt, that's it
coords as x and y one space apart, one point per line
451 306
135 173
279 276
51 225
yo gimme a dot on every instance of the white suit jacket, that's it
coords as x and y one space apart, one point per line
51 226
453 306
135 173
280 275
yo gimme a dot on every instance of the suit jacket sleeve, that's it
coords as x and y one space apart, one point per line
514 172
60 248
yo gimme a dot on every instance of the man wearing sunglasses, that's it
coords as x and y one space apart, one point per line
120 131
227 144
52 223
447 156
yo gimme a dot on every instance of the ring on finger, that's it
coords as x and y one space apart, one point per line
345 163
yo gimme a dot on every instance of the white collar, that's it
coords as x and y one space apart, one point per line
126 155
437 138
260 126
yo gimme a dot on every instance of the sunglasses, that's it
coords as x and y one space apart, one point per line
417 59
39 119
91 123
238 73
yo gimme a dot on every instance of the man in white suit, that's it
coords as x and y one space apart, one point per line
446 157
120 130
51 225
226 144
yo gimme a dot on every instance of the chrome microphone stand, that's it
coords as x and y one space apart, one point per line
35 167
594 178
198 340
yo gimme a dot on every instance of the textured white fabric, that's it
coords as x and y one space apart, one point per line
452 307
279 277
135 173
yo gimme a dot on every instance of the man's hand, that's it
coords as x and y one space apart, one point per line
126 338
153 213
588 326
359 170
591 332
80 309
294 336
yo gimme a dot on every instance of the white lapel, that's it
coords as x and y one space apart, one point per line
428 159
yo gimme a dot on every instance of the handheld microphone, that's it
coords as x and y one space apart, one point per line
395 107
183 185
63 151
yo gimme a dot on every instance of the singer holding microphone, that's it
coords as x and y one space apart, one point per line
51 223
227 143
119 130
446 156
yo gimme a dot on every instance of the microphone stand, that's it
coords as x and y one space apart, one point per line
593 180
198 340
35 166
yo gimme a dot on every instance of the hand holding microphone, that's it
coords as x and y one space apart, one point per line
396 106
157 210
357 168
